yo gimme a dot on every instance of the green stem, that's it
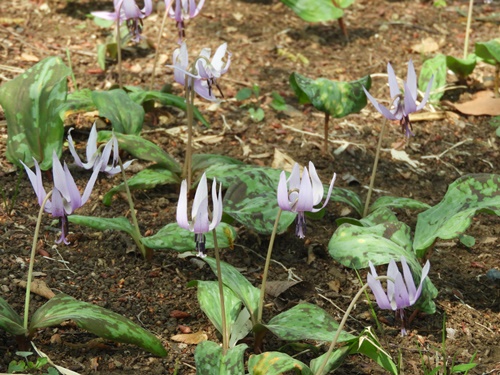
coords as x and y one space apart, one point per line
225 337
158 45
73 79
32 260
119 50
467 30
137 236
342 323
190 115
266 267
374 169
325 141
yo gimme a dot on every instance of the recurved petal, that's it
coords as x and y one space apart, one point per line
201 88
182 206
112 16
410 284
411 81
426 96
425 272
282 195
200 197
410 105
57 203
195 9
200 222
131 10
378 292
59 176
294 179
91 183
392 272
379 107
393 82
217 203
219 54
36 182
73 152
401 293
317 186
305 202
91 150
148 8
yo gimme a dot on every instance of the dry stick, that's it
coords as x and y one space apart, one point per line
467 30
163 22
225 337
325 144
189 88
342 323
32 259
374 169
119 48
266 267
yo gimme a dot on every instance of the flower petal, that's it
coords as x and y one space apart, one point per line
200 223
425 272
200 197
377 289
393 82
36 182
305 202
90 183
379 107
410 105
411 81
217 203
182 206
410 284
426 96
401 297
283 200
317 186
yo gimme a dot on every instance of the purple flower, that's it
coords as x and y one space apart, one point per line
401 292
205 71
182 11
66 197
94 156
403 104
200 222
301 195
127 10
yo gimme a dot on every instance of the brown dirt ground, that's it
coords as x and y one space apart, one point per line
102 270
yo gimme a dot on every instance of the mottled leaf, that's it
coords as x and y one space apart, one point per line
101 322
173 237
314 10
451 217
306 321
103 223
338 99
201 162
239 284
276 363
461 67
209 300
76 102
210 361
10 321
146 179
126 116
31 104
354 246
433 67
142 149
140 96
397 202
334 361
380 216
489 51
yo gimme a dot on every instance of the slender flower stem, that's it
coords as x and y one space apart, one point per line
325 141
189 113
467 30
157 54
225 333
266 267
119 48
137 236
374 169
342 323
32 260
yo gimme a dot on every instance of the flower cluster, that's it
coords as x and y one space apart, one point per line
183 11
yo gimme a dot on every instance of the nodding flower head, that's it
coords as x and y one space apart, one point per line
301 195
182 11
200 221
403 104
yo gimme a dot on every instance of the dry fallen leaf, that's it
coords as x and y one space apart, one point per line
426 46
483 103
282 161
178 314
190 338
38 287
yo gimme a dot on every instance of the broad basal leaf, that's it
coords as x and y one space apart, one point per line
76 102
210 360
276 363
201 162
239 284
146 179
10 321
142 149
125 115
209 300
461 67
338 99
103 223
306 321
101 322
314 10
334 361
31 104
451 217
173 237
433 67
354 246
398 202
140 96
489 51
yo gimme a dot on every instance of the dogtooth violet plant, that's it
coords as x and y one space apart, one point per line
65 198
201 224
183 11
199 77
403 104
401 289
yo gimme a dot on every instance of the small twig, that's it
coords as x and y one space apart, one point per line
361 147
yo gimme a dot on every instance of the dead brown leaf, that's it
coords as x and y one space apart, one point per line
38 287
190 338
483 103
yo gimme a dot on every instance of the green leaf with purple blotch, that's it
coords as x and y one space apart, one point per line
210 360
31 104
338 99
450 218
142 149
173 237
101 322
10 321
276 363
306 321
103 223
398 202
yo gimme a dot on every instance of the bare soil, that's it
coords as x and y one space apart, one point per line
103 268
